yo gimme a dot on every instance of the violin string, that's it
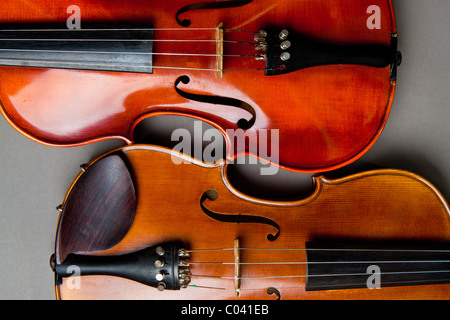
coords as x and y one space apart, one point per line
125 29
391 283
319 275
321 262
297 287
320 249
24 61
304 276
325 262
129 29
129 40
205 287
131 53
210 69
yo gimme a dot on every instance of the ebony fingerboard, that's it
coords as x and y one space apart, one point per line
344 266
122 49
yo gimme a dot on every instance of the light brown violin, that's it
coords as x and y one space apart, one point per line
314 80
135 225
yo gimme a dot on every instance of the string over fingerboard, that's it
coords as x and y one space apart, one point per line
124 49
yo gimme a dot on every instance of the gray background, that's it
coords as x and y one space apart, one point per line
34 178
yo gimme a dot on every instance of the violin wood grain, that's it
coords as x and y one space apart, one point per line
380 205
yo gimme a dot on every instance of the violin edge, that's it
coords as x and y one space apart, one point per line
318 179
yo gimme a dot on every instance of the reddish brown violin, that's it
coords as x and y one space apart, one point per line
320 72
134 225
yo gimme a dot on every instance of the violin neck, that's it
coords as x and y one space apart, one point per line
343 266
124 49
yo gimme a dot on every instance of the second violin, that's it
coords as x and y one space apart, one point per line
134 225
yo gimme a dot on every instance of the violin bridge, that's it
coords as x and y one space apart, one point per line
219 51
237 269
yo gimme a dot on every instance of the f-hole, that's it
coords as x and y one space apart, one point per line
242 123
208 5
212 195
274 291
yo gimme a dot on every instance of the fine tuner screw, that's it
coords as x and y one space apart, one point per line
160 251
159 263
261 46
161 286
283 34
260 36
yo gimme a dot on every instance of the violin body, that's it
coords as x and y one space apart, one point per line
327 116
136 197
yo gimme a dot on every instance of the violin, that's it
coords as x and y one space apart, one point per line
311 81
135 225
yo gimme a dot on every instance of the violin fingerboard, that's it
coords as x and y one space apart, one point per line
124 49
